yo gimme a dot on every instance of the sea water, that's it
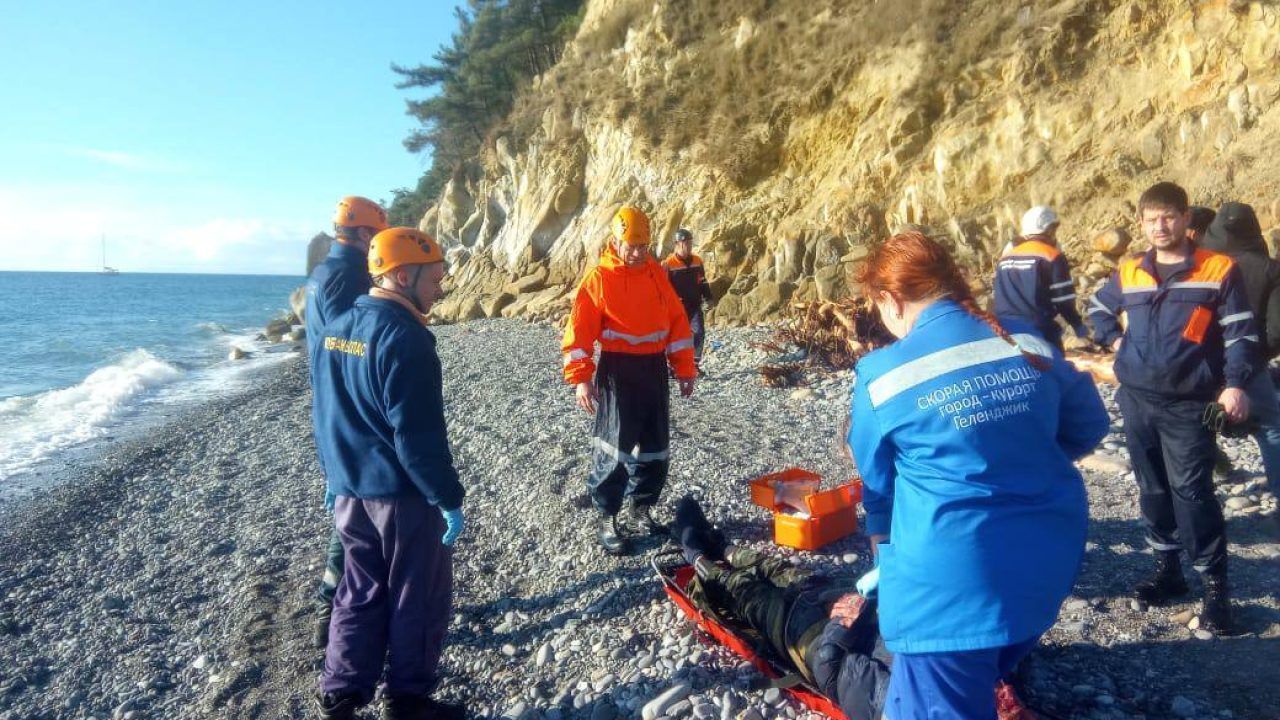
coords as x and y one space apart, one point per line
84 355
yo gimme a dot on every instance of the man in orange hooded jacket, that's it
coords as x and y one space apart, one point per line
627 304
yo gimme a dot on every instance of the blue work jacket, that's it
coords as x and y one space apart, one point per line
379 406
965 452
1033 284
1188 334
333 288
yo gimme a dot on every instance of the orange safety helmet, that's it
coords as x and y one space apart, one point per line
631 226
355 211
398 246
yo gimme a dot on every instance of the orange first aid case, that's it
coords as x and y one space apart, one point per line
831 513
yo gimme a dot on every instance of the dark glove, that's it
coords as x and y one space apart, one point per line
1215 418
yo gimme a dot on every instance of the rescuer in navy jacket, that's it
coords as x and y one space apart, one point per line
1033 280
332 289
380 428
1190 338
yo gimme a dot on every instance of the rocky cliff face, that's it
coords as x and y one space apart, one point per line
790 135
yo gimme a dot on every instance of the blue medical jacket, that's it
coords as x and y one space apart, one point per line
333 288
965 452
379 406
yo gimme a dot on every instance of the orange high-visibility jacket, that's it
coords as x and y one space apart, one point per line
626 310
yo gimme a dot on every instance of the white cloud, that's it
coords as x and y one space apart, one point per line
220 238
60 228
122 160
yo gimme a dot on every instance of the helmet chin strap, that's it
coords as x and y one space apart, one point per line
413 285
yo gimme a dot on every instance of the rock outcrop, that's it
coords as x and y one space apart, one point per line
317 250
790 136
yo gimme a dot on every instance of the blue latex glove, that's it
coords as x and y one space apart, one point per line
868 583
329 499
453 526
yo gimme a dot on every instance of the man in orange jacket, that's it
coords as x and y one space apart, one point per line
627 304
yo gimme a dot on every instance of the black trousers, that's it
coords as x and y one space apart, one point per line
1173 453
629 448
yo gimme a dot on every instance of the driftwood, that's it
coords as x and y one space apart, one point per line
1098 365
832 336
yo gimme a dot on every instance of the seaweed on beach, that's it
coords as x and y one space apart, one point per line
830 337
781 375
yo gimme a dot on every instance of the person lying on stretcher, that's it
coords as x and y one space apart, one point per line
827 632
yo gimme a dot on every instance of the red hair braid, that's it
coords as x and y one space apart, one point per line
913 267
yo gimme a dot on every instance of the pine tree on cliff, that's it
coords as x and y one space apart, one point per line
499 46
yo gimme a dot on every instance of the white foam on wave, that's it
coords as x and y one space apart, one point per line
34 427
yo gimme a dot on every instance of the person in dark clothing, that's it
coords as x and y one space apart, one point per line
1033 280
381 433
689 278
827 632
1201 216
331 290
1235 232
1190 340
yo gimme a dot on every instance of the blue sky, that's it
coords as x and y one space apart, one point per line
200 136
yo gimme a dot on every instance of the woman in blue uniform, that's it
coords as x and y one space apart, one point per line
965 435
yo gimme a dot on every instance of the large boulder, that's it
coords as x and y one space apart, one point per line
493 305
766 299
1112 242
279 327
317 249
532 282
471 309
832 282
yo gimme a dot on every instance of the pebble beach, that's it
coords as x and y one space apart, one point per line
173 576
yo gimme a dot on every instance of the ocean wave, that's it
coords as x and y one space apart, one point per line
212 328
35 427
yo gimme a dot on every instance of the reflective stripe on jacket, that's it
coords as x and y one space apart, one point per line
965 451
1033 282
1187 335
379 406
627 310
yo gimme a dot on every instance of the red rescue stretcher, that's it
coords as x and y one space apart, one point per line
675 575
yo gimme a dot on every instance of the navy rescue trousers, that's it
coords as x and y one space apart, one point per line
1173 453
698 326
394 600
629 447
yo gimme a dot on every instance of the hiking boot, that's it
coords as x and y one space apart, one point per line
1215 613
695 535
1009 706
639 520
320 633
419 707
337 706
1166 584
610 539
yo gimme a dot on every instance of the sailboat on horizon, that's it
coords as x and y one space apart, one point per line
106 269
